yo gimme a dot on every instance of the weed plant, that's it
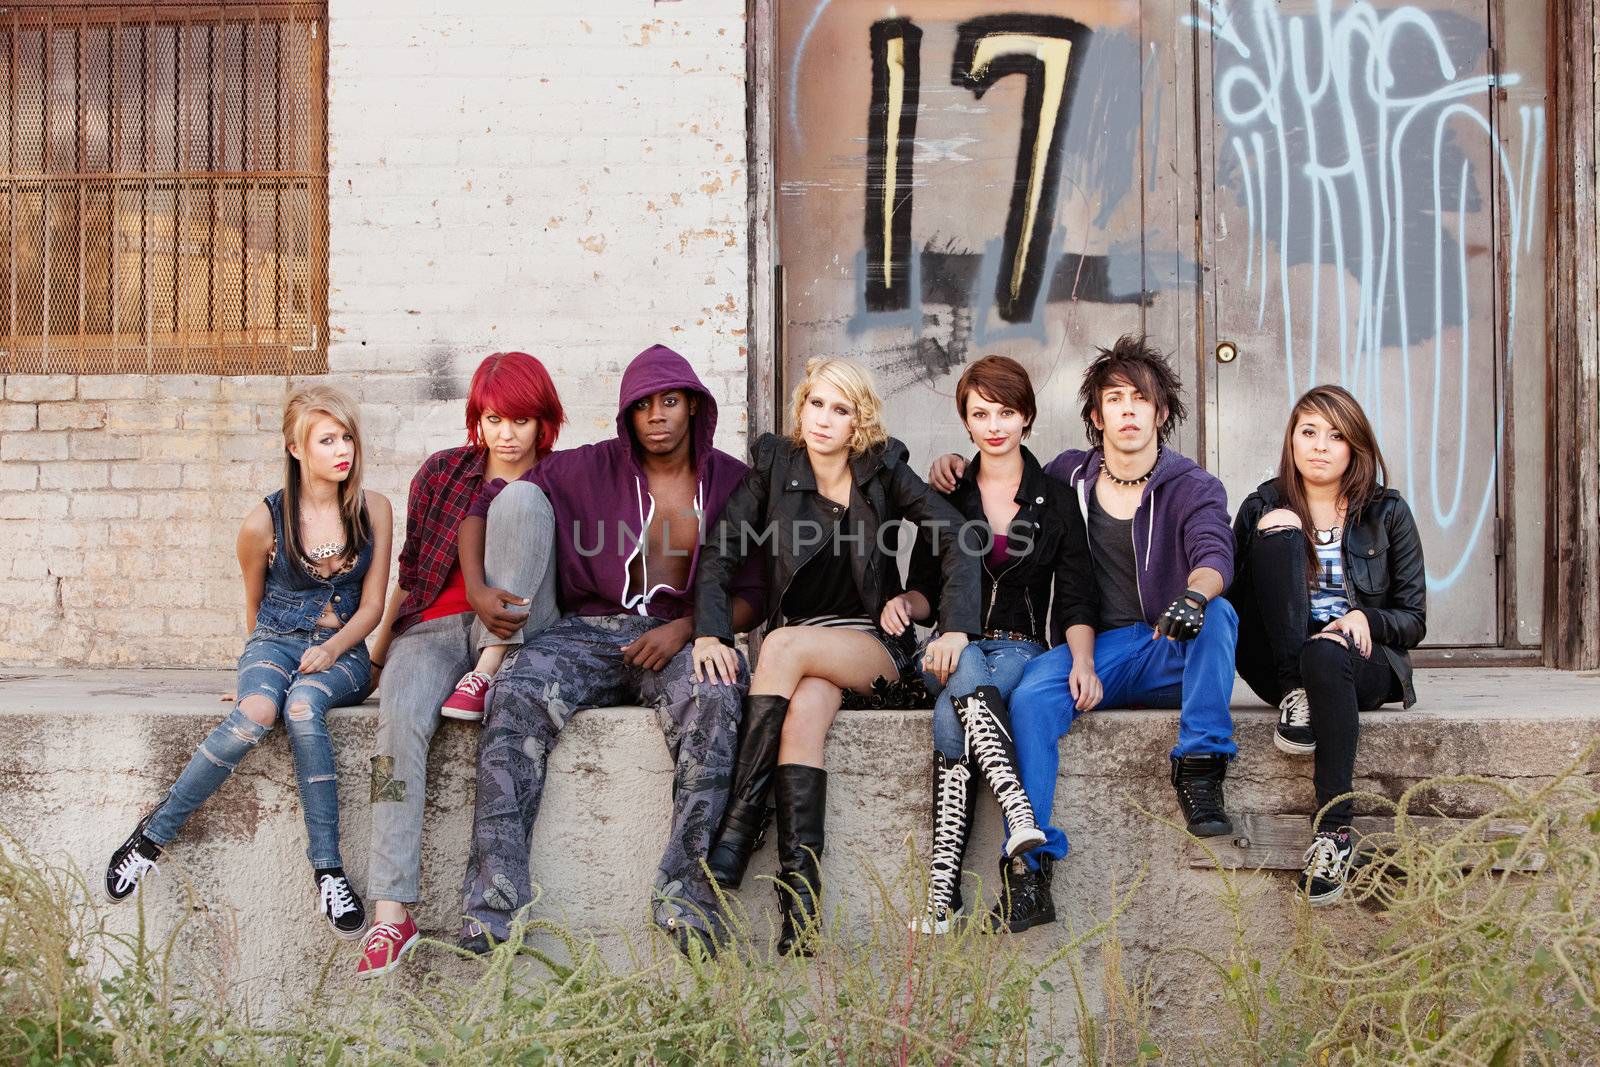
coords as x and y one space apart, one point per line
1455 944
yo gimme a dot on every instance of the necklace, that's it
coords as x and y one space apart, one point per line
1130 482
326 550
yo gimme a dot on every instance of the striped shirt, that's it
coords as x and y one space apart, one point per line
1328 601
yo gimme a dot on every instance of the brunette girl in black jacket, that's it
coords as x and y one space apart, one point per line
1037 590
824 507
1330 589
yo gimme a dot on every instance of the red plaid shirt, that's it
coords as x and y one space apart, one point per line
441 493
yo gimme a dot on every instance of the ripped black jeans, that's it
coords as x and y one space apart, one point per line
1277 653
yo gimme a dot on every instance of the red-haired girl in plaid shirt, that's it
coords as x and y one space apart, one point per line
440 652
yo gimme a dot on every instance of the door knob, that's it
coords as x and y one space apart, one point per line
1227 351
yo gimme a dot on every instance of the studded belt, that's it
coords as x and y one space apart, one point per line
1010 635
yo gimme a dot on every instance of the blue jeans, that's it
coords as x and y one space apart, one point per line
270 667
1195 676
996 663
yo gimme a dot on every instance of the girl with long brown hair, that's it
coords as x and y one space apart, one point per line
315 560
1330 590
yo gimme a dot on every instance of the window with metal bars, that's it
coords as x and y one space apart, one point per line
164 203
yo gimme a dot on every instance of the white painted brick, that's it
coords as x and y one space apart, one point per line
18 477
72 415
140 416
146 476
114 387
40 387
18 416
89 445
74 476
37 505
33 446
104 506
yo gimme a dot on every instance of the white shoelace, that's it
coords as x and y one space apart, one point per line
336 898
387 933
944 866
1323 859
133 868
473 683
1296 708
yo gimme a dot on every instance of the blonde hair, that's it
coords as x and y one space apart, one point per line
299 412
855 382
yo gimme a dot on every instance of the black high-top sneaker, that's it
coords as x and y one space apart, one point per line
952 816
133 859
1025 900
1294 736
338 901
1327 866
1198 781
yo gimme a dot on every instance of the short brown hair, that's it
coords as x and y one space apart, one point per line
999 380
1134 361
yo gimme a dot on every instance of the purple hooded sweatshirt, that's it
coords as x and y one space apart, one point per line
594 488
1182 523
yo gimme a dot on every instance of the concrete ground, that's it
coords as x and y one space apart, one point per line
83 753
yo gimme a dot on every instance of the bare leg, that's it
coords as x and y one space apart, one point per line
847 659
490 658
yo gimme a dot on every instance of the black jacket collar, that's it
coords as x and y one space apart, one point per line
1030 490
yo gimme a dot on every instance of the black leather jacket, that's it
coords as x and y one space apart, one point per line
1048 543
1383 570
778 504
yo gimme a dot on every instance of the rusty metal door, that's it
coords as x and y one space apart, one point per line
1357 236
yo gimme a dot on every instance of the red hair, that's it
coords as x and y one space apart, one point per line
514 385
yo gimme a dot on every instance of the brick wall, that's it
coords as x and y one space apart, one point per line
509 176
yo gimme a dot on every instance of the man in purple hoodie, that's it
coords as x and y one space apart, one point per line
1161 546
630 512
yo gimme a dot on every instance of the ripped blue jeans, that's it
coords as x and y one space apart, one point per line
270 667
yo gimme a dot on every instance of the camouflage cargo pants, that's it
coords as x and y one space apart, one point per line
575 664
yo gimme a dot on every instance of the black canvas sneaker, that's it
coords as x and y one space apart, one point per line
1327 866
1294 736
338 903
133 859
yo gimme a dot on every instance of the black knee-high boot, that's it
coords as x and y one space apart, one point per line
987 722
802 798
745 824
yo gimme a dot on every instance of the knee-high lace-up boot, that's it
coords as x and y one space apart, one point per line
953 802
987 722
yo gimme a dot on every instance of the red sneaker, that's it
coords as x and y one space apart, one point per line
466 703
387 944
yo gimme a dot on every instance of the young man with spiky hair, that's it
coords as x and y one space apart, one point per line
1161 547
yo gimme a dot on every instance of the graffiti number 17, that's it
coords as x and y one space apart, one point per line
1044 50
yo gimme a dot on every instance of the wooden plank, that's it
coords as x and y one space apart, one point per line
1572 628
1268 842
761 348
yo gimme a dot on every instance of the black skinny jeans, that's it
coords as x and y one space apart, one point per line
1279 654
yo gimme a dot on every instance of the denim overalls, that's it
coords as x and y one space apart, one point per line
286 626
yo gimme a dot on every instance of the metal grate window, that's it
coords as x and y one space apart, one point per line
164 201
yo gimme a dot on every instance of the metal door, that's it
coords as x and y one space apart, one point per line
1355 221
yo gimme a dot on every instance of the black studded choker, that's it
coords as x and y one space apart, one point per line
1130 482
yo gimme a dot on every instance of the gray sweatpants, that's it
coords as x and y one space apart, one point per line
423 667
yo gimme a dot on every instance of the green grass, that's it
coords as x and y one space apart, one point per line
1437 955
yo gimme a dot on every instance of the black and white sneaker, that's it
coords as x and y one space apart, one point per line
1327 866
133 859
1294 735
338 902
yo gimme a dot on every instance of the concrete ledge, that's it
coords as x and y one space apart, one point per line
82 753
